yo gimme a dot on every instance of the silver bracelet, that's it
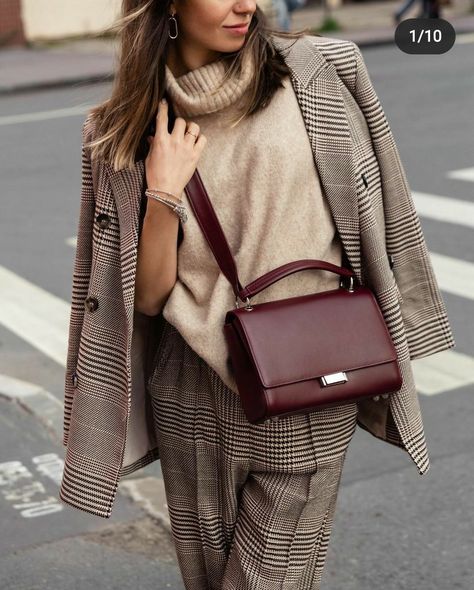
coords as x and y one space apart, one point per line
157 190
151 193
180 210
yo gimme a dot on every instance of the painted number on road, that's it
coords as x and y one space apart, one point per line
26 494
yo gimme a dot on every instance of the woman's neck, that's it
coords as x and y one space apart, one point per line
205 89
182 60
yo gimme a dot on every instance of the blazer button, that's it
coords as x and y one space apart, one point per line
103 220
74 380
364 180
91 303
390 260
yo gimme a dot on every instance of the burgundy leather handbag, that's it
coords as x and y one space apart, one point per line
296 355
300 354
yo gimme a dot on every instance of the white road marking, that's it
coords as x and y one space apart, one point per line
34 314
41 319
464 38
50 465
462 174
444 208
443 371
17 485
45 115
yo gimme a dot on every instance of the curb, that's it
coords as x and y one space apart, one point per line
147 492
35 400
108 76
59 83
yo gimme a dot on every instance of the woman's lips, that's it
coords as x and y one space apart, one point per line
239 29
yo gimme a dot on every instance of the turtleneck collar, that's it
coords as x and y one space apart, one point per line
191 92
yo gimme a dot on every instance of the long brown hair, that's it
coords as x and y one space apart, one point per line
121 122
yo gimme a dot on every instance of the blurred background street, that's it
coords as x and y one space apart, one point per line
393 528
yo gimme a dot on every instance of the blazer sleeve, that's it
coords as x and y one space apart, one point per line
81 275
423 310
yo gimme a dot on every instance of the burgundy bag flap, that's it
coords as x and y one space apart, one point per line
313 335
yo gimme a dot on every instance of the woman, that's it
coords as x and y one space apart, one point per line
251 506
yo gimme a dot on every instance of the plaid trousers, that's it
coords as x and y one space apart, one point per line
250 505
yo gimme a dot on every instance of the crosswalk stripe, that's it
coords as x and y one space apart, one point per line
454 276
462 174
44 325
33 314
443 371
444 208
72 241
464 38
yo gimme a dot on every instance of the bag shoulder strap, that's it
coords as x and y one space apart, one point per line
215 237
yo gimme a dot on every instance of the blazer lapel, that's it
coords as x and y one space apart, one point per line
318 90
127 187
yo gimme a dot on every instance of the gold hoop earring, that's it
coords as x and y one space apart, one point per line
170 19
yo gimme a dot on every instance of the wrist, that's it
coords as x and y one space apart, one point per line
169 187
173 204
156 209
173 196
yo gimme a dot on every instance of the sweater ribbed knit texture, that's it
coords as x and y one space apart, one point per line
262 181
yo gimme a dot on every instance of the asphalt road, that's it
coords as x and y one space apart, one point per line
393 528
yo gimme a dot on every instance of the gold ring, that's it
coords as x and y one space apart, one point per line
190 133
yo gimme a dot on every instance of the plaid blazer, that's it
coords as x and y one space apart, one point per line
108 430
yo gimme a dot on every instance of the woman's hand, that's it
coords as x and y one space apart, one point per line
173 157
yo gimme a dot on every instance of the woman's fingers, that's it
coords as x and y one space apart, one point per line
193 134
162 117
172 157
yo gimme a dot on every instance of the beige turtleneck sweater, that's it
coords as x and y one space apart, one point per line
262 181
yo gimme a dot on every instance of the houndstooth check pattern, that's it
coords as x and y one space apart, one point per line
368 194
250 505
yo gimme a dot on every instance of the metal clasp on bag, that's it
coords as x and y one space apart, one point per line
351 284
333 379
248 306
